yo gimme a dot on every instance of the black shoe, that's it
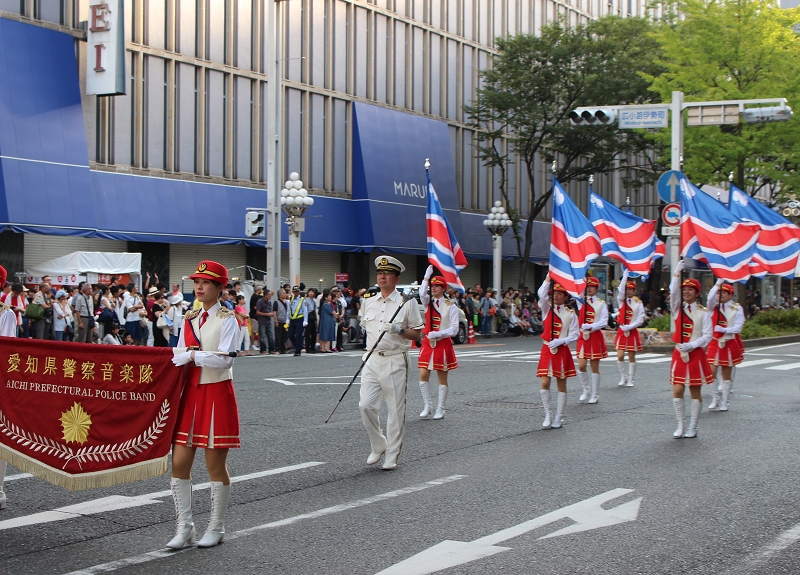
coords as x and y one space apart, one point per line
297 354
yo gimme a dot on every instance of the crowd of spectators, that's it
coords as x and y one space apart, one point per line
489 312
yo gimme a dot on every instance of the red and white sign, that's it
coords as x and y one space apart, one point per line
57 280
342 277
105 55
671 215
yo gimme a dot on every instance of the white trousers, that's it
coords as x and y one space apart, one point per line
384 378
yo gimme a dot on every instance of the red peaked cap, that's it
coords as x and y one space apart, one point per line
630 285
591 281
692 283
728 288
439 281
213 271
559 287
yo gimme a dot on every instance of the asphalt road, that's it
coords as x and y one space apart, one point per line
484 487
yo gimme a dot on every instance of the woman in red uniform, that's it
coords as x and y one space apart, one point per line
208 416
437 353
560 329
689 363
631 316
591 346
726 348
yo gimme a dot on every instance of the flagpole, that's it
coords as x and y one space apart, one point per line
680 238
552 305
730 189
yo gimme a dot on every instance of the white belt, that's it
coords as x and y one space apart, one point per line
385 352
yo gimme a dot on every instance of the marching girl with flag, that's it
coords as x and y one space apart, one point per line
725 349
560 329
689 363
208 416
591 346
437 353
631 316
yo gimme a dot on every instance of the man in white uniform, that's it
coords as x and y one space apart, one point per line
385 374
8 328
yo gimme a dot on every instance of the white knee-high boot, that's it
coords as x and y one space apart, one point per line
623 377
583 377
220 494
426 397
182 495
548 414
561 406
723 406
678 403
631 373
697 407
716 394
2 478
595 388
442 398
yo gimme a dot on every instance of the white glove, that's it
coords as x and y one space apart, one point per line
434 335
429 273
625 327
684 347
305 324
182 358
720 329
679 267
555 344
586 326
720 281
390 328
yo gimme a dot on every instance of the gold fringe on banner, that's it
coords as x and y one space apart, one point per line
108 478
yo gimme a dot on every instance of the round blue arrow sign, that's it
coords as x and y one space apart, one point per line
669 186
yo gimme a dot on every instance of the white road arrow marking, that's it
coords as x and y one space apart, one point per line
588 514
119 502
289 382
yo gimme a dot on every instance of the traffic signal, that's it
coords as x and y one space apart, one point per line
764 115
590 116
255 224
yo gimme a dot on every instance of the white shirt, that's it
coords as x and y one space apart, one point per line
59 323
8 323
544 305
636 306
376 310
129 302
738 319
228 338
439 305
675 305
601 319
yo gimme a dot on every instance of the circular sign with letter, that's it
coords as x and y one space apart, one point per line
671 215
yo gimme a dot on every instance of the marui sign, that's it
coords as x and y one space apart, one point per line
105 57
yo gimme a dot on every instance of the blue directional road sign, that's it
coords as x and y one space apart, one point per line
669 186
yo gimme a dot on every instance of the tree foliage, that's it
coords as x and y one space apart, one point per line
533 83
734 50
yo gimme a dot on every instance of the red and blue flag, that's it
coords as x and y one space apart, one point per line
710 233
443 249
778 246
574 243
625 237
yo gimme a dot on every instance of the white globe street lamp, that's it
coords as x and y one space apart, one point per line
497 222
295 201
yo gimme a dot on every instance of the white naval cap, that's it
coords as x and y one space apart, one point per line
389 264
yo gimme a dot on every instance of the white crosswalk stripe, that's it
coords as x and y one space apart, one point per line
785 367
754 362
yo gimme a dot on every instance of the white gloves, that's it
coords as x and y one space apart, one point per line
625 327
684 347
390 328
429 273
555 344
679 267
720 281
434 335
182 358
587 326
720 329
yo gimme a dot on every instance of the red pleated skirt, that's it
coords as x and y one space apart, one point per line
592 348
694 372
208 416
558 365
439 358
631 342
730 355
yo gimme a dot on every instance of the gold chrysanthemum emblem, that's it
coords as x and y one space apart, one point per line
76 422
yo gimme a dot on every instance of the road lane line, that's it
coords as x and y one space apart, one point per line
120 502
654 360
153 555
771 347
765 553
754 362
785 367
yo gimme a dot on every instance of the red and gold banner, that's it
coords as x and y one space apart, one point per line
83 416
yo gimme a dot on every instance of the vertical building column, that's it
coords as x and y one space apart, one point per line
426 71
409 71
139 82
255 142
69 12
351 52
172 33
391 60
371 91
200 150
328 175
230 107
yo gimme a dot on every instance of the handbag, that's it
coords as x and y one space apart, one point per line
34 311
105 315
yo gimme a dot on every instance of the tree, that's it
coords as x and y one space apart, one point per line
734 50
534 82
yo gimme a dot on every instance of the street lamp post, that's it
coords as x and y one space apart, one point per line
295 201
497 223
